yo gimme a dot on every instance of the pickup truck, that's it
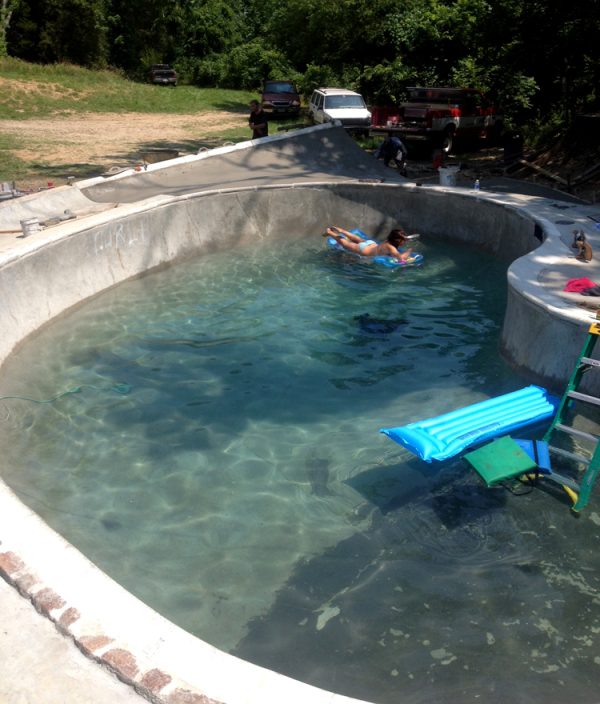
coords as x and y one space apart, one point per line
162 75
280 98
440 116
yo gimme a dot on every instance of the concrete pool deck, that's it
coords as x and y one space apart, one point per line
318 178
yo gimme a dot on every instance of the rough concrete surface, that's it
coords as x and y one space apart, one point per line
38 665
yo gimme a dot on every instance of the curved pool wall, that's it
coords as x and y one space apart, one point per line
50 271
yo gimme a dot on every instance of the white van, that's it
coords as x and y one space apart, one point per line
346 106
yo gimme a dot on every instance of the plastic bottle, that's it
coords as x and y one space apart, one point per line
476 185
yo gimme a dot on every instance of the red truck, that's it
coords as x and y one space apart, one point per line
440 116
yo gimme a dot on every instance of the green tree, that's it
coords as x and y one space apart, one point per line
143 32
562 53
223 44
540 59
7 7
51 31
432 36
334 33
245 66
213 26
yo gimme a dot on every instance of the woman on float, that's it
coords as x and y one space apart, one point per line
369 248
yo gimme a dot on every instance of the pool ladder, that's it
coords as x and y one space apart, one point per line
579 493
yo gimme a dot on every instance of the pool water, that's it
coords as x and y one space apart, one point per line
213 445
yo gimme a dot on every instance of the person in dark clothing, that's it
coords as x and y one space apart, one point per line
392 147
258 121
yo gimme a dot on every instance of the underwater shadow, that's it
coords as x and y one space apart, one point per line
351 617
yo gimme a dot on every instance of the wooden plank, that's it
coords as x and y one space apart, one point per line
545 172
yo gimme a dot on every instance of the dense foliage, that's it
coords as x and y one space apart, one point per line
539 60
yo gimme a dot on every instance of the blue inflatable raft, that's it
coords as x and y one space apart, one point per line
390 262
447 435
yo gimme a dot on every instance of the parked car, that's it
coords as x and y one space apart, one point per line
346 106
162 75
441 116
280 98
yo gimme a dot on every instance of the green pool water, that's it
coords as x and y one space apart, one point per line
220 457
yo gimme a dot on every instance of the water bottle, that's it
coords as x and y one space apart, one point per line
476 185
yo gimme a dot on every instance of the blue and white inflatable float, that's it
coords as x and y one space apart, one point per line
389 262
447 435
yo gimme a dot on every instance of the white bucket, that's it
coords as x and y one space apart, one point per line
448 175
30 226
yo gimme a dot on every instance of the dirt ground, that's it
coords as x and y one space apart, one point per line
92 144
82 146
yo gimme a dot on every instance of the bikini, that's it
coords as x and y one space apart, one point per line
366 243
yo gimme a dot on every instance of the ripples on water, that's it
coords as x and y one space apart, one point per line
222 460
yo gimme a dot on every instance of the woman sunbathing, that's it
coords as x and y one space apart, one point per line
369 248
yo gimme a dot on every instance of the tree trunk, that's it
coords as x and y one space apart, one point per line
6 9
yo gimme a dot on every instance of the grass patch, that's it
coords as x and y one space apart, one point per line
11 167
32 90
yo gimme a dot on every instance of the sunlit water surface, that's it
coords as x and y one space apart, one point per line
222 461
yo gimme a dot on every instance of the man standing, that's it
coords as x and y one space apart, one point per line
257 121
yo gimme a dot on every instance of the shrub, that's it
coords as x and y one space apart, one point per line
243 68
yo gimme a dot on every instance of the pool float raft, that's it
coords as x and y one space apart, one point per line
447 435
390 262
523 461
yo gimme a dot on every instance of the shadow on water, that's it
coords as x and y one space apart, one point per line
378 326
444 597
391 486
320 625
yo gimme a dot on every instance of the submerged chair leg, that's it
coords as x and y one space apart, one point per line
589 477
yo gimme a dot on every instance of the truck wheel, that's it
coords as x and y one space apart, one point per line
447 140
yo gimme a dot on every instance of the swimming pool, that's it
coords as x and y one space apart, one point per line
224 445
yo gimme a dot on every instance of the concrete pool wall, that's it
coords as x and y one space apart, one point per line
53 270
47 273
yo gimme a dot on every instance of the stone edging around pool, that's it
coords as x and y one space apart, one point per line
48 272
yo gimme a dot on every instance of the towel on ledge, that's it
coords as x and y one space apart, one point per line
579 285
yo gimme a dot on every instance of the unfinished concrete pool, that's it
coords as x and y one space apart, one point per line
222 460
